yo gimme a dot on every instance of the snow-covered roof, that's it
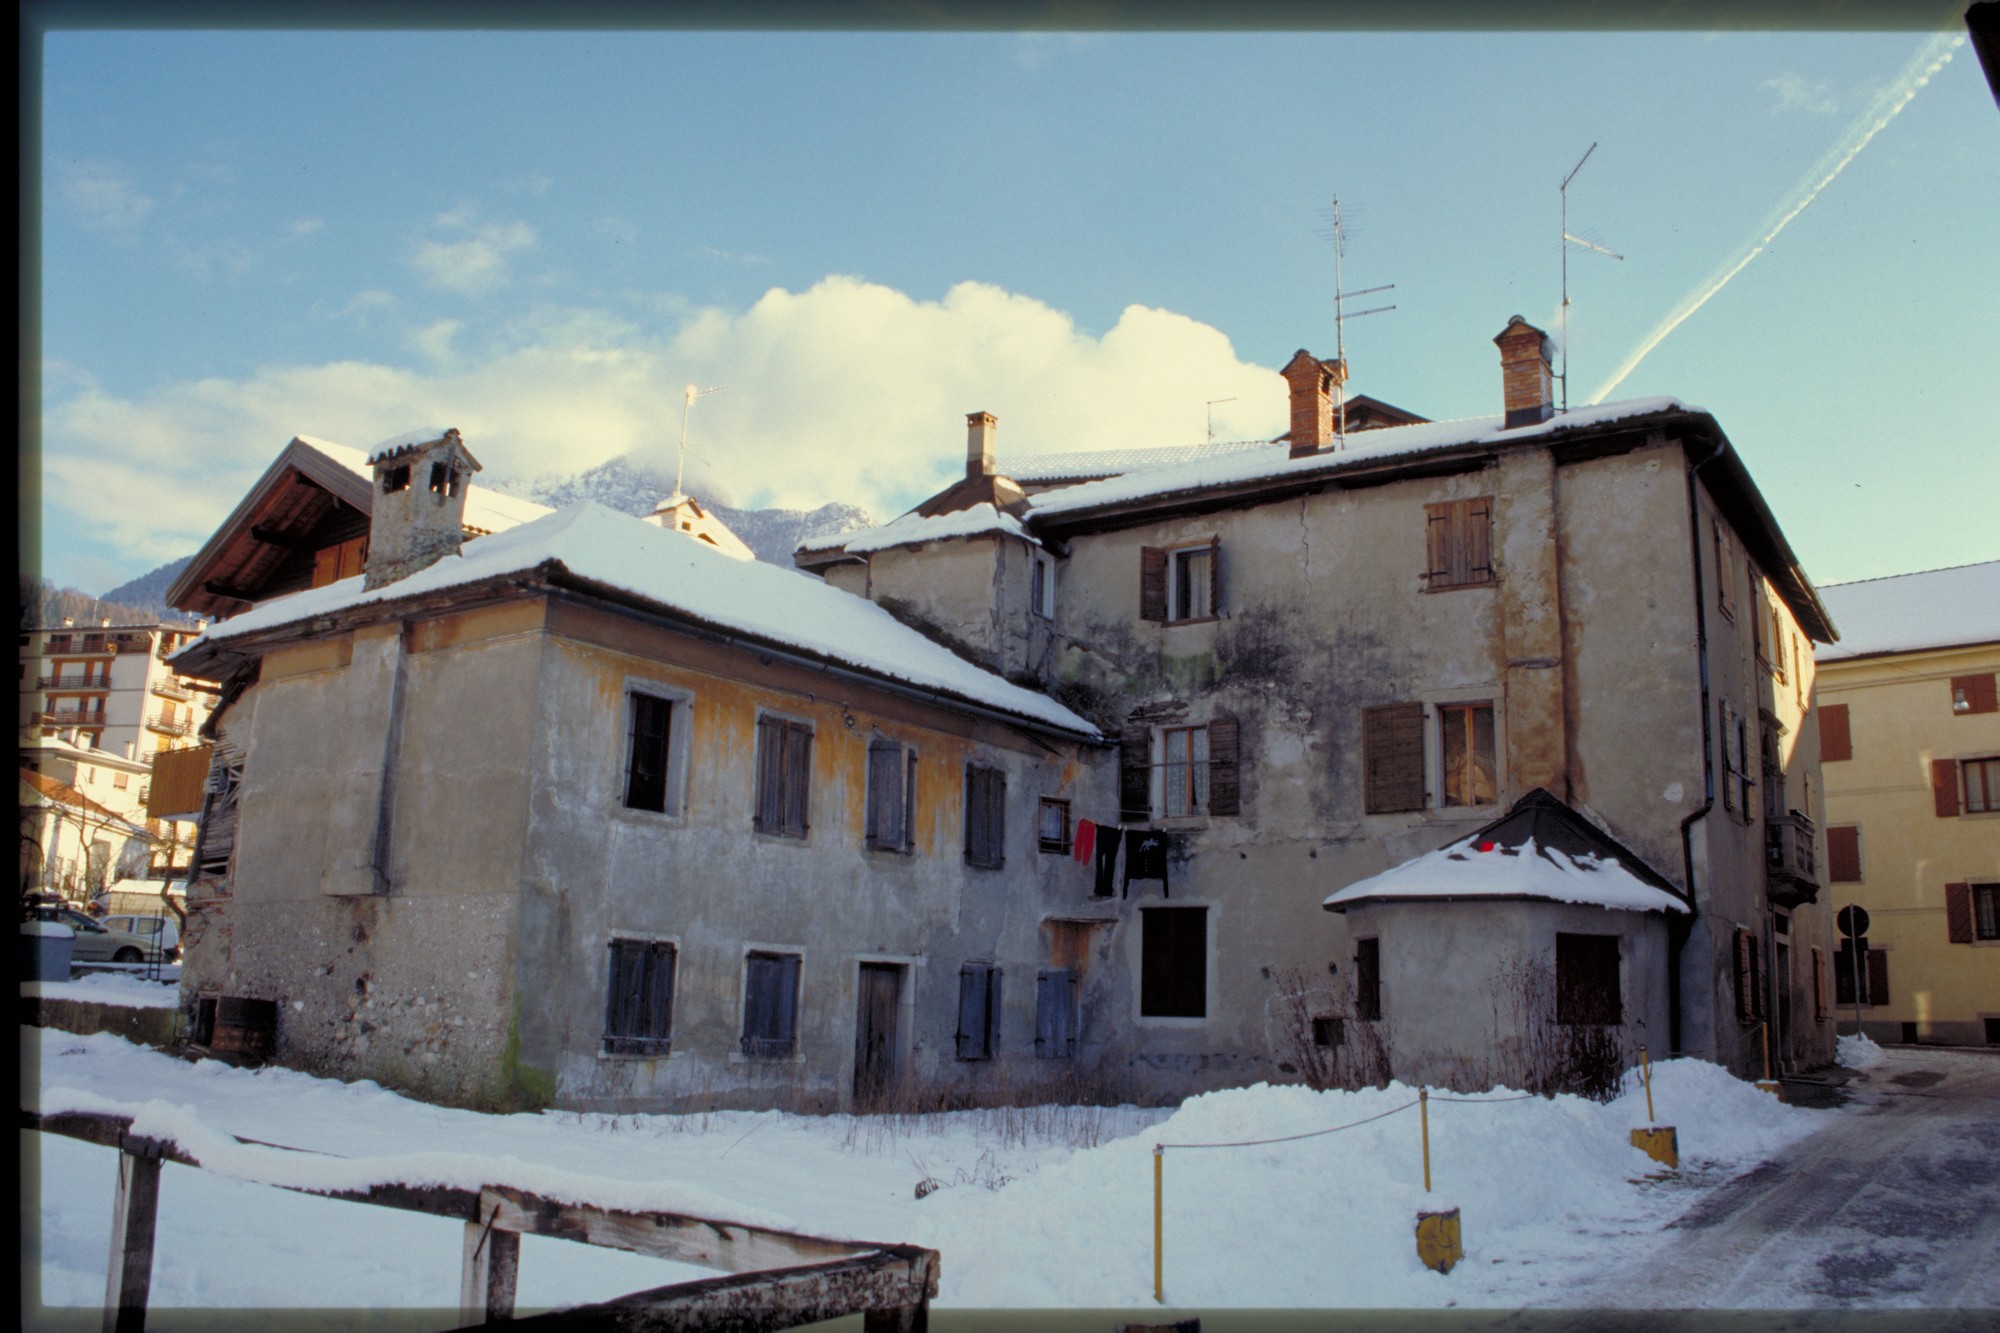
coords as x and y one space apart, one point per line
670 570
1389 442
485 509
1110 462
914 528
1938 608
409 439
1528 871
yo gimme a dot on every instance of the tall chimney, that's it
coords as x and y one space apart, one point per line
1524 373
979 443
418 513
1313 384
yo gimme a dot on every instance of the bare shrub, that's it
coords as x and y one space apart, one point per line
1328 1045
1535 1052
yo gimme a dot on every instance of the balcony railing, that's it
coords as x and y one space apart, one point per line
71 680
172 689
69 717
170 726
1790 870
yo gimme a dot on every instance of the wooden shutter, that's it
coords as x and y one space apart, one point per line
978 1003
770 767
798 778
1944 787
985 817
1152 583
1746 981
1958 913
353 557
1224 749
1978 691
1392 758
1215 579
770 1004
1438 545
216 838
1843 854
1878 976
1368 979
639 999
886 782
1476 540
1135 775
1835 742
326 566
1055 1014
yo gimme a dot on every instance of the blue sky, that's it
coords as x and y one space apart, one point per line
542 238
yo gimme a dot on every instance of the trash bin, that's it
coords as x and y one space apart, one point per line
46 947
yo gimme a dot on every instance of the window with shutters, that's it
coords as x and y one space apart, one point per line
1180 583
1735 741
1052 827
1173 962
985 817
1392 758
892 795
1459 544
649 737
1368 979
1843 854
1974 694
770 1004
1466 762
1587 989
1199 771
1972 912
639 998
978 1035
784 776
1749 978
1055 1014
1184 771
1980 782
342 560
1986 911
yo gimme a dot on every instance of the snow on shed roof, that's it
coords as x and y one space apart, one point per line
670 570
913 528
1380 445
1937 608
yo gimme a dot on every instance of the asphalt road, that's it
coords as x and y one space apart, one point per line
1896 1204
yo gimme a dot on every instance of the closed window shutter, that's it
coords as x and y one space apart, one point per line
798 777
1958 913
1392 758
1215 578
1055 1014
1944 787
1135 775
1438 544
1152 583
910 801
1746 984
1843 854
1476 546
1878 976
974 1010
1835 741
885 795
1978 691
1224 752
659 1005
770 765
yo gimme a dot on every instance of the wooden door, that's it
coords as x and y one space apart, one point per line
878 1006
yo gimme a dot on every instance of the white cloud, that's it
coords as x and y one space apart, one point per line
103 198
307 226
846 391
1797 93
473 264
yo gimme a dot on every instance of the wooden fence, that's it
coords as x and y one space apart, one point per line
778 1279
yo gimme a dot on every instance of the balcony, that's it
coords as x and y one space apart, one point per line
170 726
68 717
170 688
1791 876
71 680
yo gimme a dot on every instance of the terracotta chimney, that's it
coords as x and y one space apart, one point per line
1524 373
979 443
1313 383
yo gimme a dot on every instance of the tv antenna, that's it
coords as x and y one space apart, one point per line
1567 241
1340 317
687 401
1211 416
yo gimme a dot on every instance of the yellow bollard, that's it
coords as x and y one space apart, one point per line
1767 1083
1424 1115
1646 1072
1438 1242
1159 1156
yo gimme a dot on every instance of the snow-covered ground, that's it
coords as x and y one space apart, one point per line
1038 1207
127 988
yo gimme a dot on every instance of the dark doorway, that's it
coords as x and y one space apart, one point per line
878 1007
1781 1058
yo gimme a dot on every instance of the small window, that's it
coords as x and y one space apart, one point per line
985 817
396 479
1459 544
1587 988
440 478
1329 1033
639 1003
1982 785
1052 829
1368 979
1179 583
1184 771
892 795
648 751
1055 1014
978 1035
120 780
784 776
1173 962
770 1004
1986 911
1042 585
1466 762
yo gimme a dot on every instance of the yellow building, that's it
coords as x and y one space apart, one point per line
1910 747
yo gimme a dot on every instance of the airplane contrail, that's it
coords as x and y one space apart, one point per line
1934 56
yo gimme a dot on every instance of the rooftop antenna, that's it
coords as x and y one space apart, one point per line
687 401
1567 241
1340 318
1211 416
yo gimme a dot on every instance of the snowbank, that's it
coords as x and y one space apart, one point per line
114 988
1857 1052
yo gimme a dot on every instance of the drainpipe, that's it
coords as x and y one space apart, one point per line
1678 932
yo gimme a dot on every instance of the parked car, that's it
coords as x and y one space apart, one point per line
99 943
164 930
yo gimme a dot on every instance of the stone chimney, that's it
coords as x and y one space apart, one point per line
979 443
1524 373
1314 384
418 516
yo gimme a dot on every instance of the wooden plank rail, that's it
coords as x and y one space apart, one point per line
781 1278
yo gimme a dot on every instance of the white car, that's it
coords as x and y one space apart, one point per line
99 943
164 930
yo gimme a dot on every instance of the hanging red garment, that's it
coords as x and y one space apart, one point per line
1086 840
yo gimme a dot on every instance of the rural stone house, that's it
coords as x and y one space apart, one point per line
1415 748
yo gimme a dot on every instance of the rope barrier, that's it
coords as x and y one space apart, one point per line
1291 1138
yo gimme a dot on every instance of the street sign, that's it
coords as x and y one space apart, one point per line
1852 920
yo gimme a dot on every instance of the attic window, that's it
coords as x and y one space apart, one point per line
396 479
